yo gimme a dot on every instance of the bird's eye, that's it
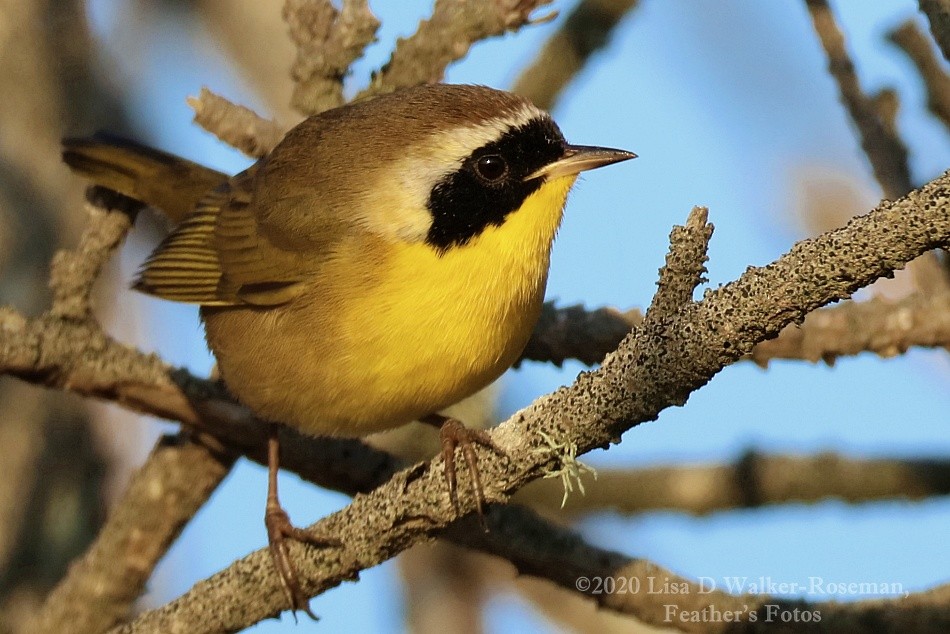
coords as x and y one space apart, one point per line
491 167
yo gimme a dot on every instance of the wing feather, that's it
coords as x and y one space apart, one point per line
185 266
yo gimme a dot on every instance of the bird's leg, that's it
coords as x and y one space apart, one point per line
452 434
279 530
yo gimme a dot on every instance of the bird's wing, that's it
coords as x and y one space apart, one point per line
219 255
254 269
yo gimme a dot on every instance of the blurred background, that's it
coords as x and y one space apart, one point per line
728 105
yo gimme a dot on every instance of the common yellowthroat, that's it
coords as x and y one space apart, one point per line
387 259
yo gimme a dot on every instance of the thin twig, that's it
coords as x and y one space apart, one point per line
685 263
884 148
919 48
236 29
239 127
584 32
165 493
328 41
74 272
938 13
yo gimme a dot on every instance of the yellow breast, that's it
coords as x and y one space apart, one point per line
399 336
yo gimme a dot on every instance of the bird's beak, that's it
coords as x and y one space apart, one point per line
579 158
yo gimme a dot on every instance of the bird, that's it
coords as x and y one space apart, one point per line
385 260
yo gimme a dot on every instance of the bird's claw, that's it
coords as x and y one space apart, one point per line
279 531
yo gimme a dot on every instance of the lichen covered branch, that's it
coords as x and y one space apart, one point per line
328 40
446 37
239 127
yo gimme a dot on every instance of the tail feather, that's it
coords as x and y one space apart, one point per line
171 183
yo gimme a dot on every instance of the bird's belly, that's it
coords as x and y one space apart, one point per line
386 363
417 359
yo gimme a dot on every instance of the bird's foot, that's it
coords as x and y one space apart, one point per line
279 532
453 434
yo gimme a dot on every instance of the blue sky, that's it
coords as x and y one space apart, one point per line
728 105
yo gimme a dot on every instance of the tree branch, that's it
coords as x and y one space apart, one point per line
537 548
658 365
754 481
444 589
574 332
68 355
328 41
64 348
22 435
344 465
886 328
98 592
